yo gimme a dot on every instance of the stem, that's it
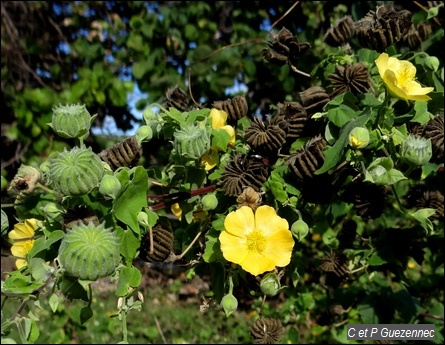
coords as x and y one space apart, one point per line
46 189
124 323
399 204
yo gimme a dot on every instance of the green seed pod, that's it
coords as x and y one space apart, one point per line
229 303
90 252
75 172
191 141
109 186
209 201
71 121
144 133
53 211
299 229
359 138
416 150
270 284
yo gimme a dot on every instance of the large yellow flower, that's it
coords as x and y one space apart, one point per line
399 78
218 118
23 236
257 242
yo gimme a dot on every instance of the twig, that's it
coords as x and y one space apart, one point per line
158 326
285 14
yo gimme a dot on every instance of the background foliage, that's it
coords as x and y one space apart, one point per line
98 53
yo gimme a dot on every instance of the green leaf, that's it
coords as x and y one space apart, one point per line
376 260
422 218
130 243
86 313
128 277
132 198
341 115
334 154
54 302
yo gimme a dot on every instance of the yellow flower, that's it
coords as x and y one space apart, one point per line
257 242
218 119
23 234
399 78
176 210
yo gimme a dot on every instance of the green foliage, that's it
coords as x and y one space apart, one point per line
355 173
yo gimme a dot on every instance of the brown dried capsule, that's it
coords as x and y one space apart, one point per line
176 98
421 197
236 108
162 245
244 171
353 78
79 215
122 154
339 34
266 331
382 28
314 99
308 159
266 138
296 117
434 130
336 262
369 200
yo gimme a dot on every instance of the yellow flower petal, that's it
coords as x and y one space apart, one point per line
21 248
257 242
19 263
24 230
231 131
176 210
268 222
257 264
399 78
240 222
218 117
209 159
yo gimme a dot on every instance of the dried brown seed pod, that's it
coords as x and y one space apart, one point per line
353 78
123 154
162 245
382 27
236 108
266 138
308 159
369 200
339 33
314 99
434 130
335 262
176 98
249 197
266 331
284 48
244 171
421 197
296 117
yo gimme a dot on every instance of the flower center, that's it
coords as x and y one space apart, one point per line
256 242
403 76
27 246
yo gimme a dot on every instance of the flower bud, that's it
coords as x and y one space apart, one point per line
71 121
299 229
53 211
270 284
229 303
144 133
209 201
142 218
432 63
191 141
359 138
416 150
109 186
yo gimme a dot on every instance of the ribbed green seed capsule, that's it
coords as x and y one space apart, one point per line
191 141
90 252
76 172
71 121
